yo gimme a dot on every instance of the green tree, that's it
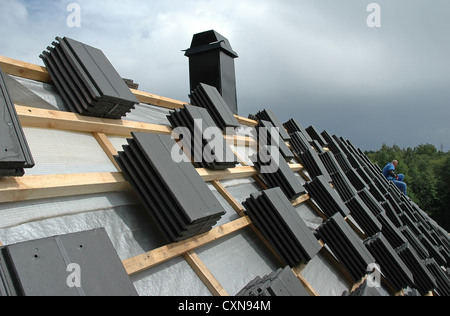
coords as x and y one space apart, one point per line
442 215
423 183
427 173
426 150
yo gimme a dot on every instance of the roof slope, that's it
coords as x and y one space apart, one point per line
77 184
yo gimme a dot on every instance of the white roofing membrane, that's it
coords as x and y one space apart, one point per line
234 260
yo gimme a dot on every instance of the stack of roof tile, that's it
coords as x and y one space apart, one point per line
391 264
332 142
268 115
433 250
293 126
381 185
278 173
393 210
325 196
373 205
15 154
318 147
391 232
363 216
376 192
421 251
386 216
279 283
207 153
424 281
282 226
363 174
41 267
208 97
173 193
87 81
346 246
343 186
409 221
343 162
391 213
330 163
299 143
445 253
355 179
315 135
267 135
441 277
312 162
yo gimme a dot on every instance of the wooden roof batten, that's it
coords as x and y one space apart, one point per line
43 187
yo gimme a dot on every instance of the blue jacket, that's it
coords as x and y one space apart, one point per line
386 172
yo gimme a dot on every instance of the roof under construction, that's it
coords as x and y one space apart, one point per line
327 213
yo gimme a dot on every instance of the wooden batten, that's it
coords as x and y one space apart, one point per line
34 117
153 258
52 186
24 70
39 73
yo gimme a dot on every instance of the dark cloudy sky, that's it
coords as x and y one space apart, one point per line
315 60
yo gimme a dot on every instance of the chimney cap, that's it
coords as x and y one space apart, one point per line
210 40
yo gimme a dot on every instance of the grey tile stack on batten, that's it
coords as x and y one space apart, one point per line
15 154
442 279
378 207
392 266
390 212
278 283
330 162
280 176
343 162
293 126
424 281
315 135
331 142
282 226
265 134
43 267
420 249
268 115
391 232
208 97
299 143
87 81
325 196
346 246
205 153
174 194
344 188
311 161
355 179
433 250
318 147
361 213
373 205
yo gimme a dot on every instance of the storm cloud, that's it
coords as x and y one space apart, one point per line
315 60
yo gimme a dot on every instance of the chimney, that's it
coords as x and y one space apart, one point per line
211 61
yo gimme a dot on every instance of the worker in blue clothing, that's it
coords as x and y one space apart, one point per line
397 179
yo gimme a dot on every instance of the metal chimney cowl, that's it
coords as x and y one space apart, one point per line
211 61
